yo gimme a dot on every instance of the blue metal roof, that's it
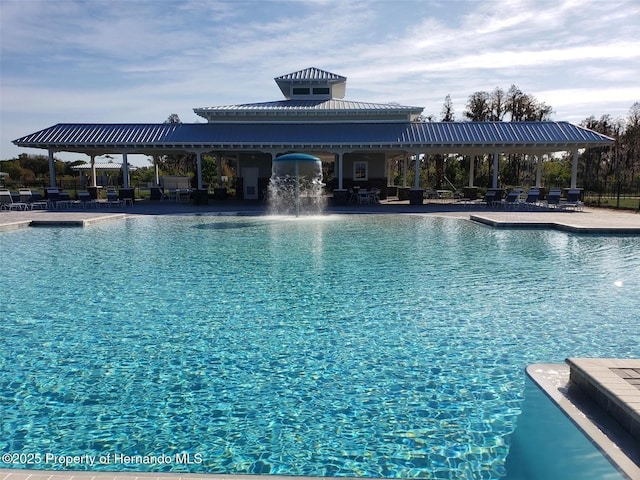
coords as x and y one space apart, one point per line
415 136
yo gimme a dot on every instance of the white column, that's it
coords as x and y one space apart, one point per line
125 171
52 170
405 167
417 179
496 157
94 180
472 165
340 158
199 169
539 158
574 169
219 158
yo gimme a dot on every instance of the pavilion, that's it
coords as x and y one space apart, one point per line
314 118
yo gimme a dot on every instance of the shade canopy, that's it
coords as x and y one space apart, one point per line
101 166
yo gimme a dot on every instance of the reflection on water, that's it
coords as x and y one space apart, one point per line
383 346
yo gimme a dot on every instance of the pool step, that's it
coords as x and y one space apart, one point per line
614 384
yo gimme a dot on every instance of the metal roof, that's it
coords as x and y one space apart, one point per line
312 74
326 105
309 108
102 166
237 136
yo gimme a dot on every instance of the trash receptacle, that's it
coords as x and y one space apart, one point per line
200 197
470 192
156 193
220 193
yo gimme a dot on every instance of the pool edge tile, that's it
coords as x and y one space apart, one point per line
601 429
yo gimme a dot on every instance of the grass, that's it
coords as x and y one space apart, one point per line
626 203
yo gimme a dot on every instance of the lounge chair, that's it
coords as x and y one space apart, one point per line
532 198
85 200
511 200
573 200
56 198
27 197
489 198
7 203
553 198
112 198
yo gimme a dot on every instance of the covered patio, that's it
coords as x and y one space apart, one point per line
363 148
360 139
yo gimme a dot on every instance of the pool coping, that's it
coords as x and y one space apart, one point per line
59 219
589 221
565 224
615 443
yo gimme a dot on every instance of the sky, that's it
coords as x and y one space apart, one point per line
139 61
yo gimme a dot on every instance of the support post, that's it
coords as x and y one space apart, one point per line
94 180
496 159
574 169
416 195
472 165
340 158
340 195
125 171
539 158
199 169
52 170
405 167
156 168
219 159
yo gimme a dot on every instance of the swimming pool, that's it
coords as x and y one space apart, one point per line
368 345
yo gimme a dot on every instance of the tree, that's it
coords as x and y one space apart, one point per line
497 105
447 114
175 164
632 142
478 107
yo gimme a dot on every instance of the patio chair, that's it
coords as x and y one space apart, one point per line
364 197
573 200
7 203
26 196
532 198
374 195
511 200
553 198
56 199
112 198
489 198
85 200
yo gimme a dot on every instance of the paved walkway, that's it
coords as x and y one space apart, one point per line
587 221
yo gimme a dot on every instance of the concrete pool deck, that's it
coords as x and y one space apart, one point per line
601 396
590 220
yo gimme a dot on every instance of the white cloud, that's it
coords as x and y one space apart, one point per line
122 61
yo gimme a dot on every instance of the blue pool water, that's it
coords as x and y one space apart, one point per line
371 345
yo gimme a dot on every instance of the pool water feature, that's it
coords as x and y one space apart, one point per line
370 345
295 185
